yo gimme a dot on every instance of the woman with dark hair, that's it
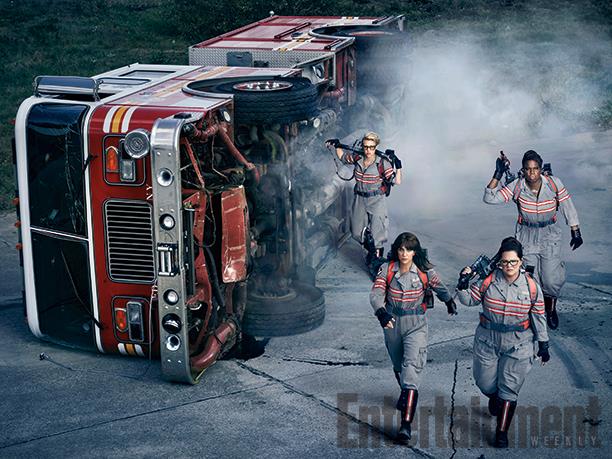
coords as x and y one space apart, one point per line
539 197
398 299
511 322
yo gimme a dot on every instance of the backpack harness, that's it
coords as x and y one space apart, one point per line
515 197
385 186
520 327
424 280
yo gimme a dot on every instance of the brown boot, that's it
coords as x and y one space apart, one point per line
550 306
405 432
504 418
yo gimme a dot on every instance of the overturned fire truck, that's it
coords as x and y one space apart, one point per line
168 211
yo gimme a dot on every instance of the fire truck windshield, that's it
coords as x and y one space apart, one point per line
55 167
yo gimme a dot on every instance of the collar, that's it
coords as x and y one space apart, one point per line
361 162
396 266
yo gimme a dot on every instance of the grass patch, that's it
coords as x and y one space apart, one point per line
73 37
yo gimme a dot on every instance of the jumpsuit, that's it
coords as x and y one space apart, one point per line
406 342
537 228
503 354
369 209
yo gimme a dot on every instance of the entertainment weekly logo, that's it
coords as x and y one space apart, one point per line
549 426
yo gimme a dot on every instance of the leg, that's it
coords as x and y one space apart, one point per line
395 347
553 278
485 365
358 219
415 357
514 367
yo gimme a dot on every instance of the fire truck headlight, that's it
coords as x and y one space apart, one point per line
165 177
173 342
171 297
172 323
167 222
225 115
137 143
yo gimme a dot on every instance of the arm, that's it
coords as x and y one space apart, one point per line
377 299
502 195
398 177
438 287
442 292
378 293
538 319
566 206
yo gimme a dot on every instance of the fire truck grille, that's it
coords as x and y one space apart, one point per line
129 241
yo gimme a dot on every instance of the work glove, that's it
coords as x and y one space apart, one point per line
394 159
333 142
543 351
464 279
500 168
576 239
383 317
451 307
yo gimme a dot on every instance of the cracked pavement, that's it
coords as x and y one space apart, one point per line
330 392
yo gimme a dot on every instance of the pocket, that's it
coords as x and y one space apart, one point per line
422 359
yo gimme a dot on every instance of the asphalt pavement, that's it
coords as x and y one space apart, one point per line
331 392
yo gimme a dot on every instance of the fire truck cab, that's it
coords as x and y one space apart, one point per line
168 210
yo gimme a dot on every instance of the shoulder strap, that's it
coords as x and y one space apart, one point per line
390 272
517 190
533 289
424 278
485 284
552 185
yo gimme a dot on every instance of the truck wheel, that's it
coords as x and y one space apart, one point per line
274 100
379 51
284 316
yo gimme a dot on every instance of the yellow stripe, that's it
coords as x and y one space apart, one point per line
130 349
117 119
211 73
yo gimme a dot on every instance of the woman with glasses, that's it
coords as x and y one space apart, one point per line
511 322
373 175
398 299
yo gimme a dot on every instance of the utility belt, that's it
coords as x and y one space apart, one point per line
521 221
520 327
409 312
369 194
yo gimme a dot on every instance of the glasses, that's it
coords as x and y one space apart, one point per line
369 147
508 262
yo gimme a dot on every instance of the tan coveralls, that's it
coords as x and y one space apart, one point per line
369 209
503 355
537 227
403 298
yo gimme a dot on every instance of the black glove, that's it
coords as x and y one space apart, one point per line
464 281
333 142
394 159
576 239
543 351
383 317
500 168
451 307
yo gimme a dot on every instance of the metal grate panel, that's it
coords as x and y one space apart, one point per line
287 59
129 241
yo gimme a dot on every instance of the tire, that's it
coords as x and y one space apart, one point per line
297 102
379 49
285 317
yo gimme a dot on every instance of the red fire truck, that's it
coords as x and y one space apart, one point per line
167 211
